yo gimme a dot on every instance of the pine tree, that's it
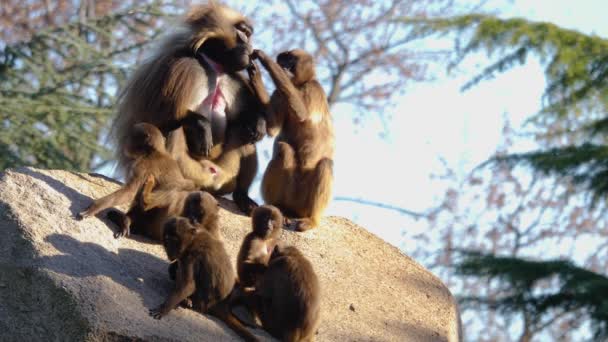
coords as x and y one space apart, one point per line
57 88
573 290
570 128
575 98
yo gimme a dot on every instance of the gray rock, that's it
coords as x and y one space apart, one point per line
67 280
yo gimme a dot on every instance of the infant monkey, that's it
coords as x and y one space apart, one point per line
252 260
146 147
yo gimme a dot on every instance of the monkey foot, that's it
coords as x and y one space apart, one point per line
186 303
156 313
244 202
302 225
83 214
121 221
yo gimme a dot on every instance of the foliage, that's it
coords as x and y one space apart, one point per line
57 88
575 290
506 210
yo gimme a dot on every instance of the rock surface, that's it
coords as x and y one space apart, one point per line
67 280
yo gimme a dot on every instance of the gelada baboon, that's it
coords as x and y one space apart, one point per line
149 210
252 260
154 205
299 178
287 297
204 273
192 90
145 150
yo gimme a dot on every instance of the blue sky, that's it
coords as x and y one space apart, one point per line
436 119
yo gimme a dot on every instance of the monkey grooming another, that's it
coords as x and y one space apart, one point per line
146 151
252 260
204 273
192 90
299 178
287 297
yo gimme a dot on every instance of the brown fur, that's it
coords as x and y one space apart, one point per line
251 262
299 178
145 150
287 298
149 211
204 273
171 85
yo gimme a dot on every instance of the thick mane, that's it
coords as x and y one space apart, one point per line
140 98
147 79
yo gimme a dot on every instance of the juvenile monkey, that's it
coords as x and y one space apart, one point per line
145 148
299 178
204 273
287 298
252 260
201 209
149 210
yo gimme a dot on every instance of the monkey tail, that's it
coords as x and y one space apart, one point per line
222 311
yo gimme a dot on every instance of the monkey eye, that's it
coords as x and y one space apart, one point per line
243 27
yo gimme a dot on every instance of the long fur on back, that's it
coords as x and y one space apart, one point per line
146 96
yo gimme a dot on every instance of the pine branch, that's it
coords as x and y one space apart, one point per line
523 285
57 88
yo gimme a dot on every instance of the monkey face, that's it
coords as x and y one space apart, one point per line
232 52
287 61
199 207
298 64
177 233
265 220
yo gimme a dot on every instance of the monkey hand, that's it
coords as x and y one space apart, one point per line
199 137
258 54
157 313
254 130
254 72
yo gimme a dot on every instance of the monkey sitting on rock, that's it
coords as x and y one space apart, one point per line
254 254
286 298
192 89
299 178
203 272
152 167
